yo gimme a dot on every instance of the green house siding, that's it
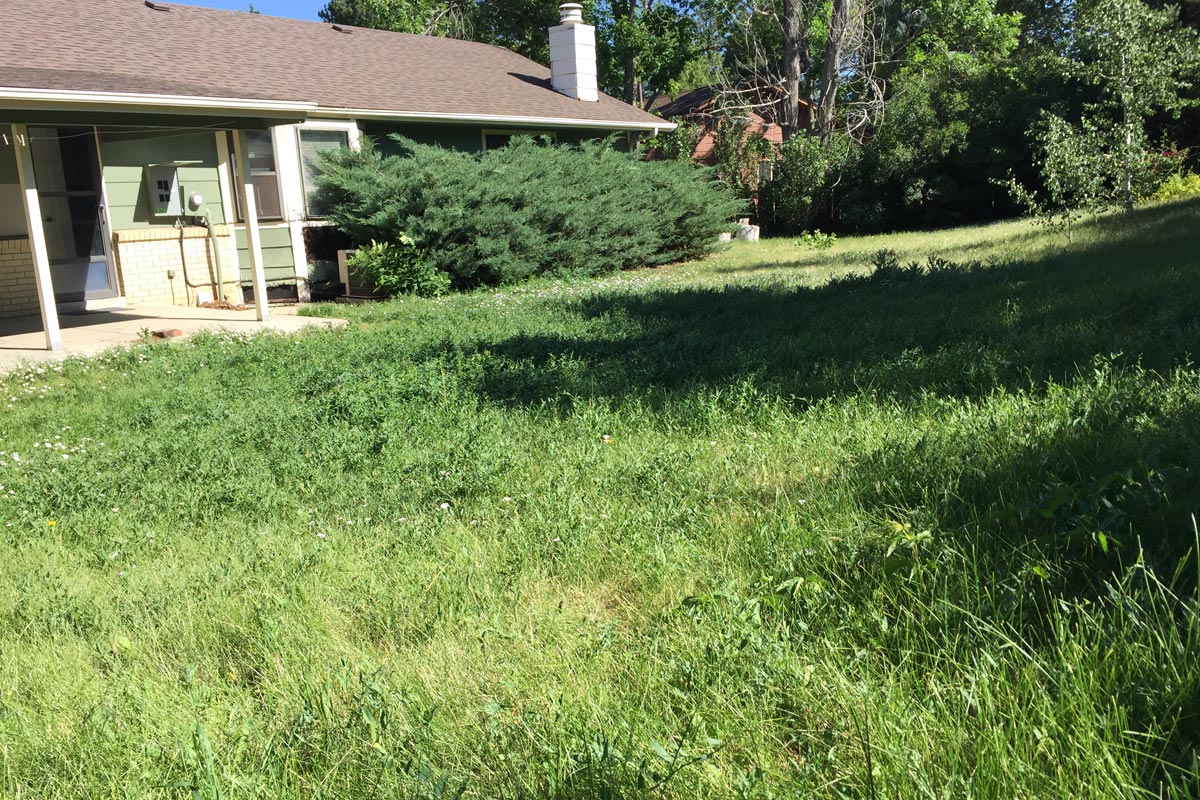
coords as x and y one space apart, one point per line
125 158
278 262
453 137
462 137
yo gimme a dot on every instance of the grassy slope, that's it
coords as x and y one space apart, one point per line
726 529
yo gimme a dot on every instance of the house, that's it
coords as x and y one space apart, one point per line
708 107
163 154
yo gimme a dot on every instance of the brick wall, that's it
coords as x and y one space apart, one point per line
168 266
150 268
18 284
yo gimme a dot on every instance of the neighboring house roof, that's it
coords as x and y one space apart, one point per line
703 103
683 103
126 47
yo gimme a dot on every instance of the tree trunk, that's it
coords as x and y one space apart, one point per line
789 116
1127 156
1127 177
831 65
629 65
631 81
1127 124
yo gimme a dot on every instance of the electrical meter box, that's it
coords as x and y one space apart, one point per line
162 184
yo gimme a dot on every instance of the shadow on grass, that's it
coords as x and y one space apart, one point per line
1097 321
1036 500
953 333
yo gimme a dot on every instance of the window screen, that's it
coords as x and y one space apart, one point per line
312 144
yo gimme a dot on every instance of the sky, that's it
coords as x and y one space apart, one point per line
300 9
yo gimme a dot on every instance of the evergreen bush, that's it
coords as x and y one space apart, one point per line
527 209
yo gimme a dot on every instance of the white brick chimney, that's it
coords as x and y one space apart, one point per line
573 55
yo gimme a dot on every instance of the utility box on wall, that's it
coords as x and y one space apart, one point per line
162 186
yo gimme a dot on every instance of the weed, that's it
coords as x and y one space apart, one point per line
817 240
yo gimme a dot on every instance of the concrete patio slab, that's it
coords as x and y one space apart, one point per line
88 333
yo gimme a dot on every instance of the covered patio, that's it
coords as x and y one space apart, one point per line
105 209
22 339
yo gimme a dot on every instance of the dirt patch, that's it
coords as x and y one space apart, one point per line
224 305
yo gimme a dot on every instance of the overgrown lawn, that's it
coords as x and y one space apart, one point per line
761 527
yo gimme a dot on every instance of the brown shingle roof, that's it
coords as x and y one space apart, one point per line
686 102
124 46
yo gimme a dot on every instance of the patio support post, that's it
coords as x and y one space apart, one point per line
253 237
291 185
37 236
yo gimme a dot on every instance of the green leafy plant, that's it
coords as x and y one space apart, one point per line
1140 61
1178 184
675 145
399 267
817 240
804 176
738 149
1076 167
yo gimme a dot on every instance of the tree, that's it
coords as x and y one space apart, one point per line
831 66
1142 62
642 45
1074 163
520 25
453 18
1139 62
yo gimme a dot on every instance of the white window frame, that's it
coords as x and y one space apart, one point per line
510 132
353 136
238 159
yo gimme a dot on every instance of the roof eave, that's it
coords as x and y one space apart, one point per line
70 100
493 119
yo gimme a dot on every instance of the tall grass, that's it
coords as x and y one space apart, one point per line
728 529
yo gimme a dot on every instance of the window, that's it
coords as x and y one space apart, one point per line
260 159
494 140
313 142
